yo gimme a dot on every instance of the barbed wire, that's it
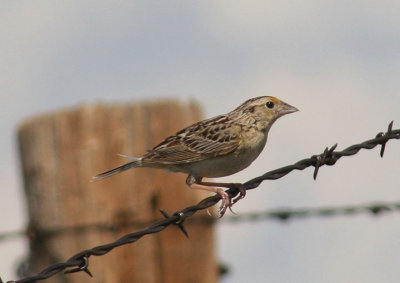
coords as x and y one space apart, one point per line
80 261
287 214
281 214
11 235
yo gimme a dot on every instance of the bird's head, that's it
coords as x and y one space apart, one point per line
264 110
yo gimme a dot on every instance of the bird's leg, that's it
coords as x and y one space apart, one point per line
195 183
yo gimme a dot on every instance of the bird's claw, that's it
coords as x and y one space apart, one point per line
226 203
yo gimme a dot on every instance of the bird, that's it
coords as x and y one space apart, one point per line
215 147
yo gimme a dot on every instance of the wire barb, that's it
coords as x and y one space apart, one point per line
328 157
381 134
84 266
179 222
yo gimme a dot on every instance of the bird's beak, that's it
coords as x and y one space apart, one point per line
286 108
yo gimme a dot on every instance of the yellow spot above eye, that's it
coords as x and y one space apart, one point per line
274 99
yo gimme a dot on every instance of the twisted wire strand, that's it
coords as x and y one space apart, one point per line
80 261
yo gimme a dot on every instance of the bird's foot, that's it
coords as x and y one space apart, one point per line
226 200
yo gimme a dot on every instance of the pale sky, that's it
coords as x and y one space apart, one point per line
337 61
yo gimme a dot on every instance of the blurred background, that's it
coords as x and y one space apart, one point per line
337 61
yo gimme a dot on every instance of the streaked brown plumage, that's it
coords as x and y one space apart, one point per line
215 147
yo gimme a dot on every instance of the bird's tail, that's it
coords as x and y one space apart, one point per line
137 162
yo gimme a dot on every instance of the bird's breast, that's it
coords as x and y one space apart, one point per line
252 145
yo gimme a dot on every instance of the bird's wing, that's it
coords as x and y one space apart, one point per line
209 138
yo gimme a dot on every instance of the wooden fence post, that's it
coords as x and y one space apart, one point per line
60 152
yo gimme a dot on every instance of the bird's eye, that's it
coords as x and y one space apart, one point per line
270 104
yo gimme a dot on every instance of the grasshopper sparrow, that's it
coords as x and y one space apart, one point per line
215 147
